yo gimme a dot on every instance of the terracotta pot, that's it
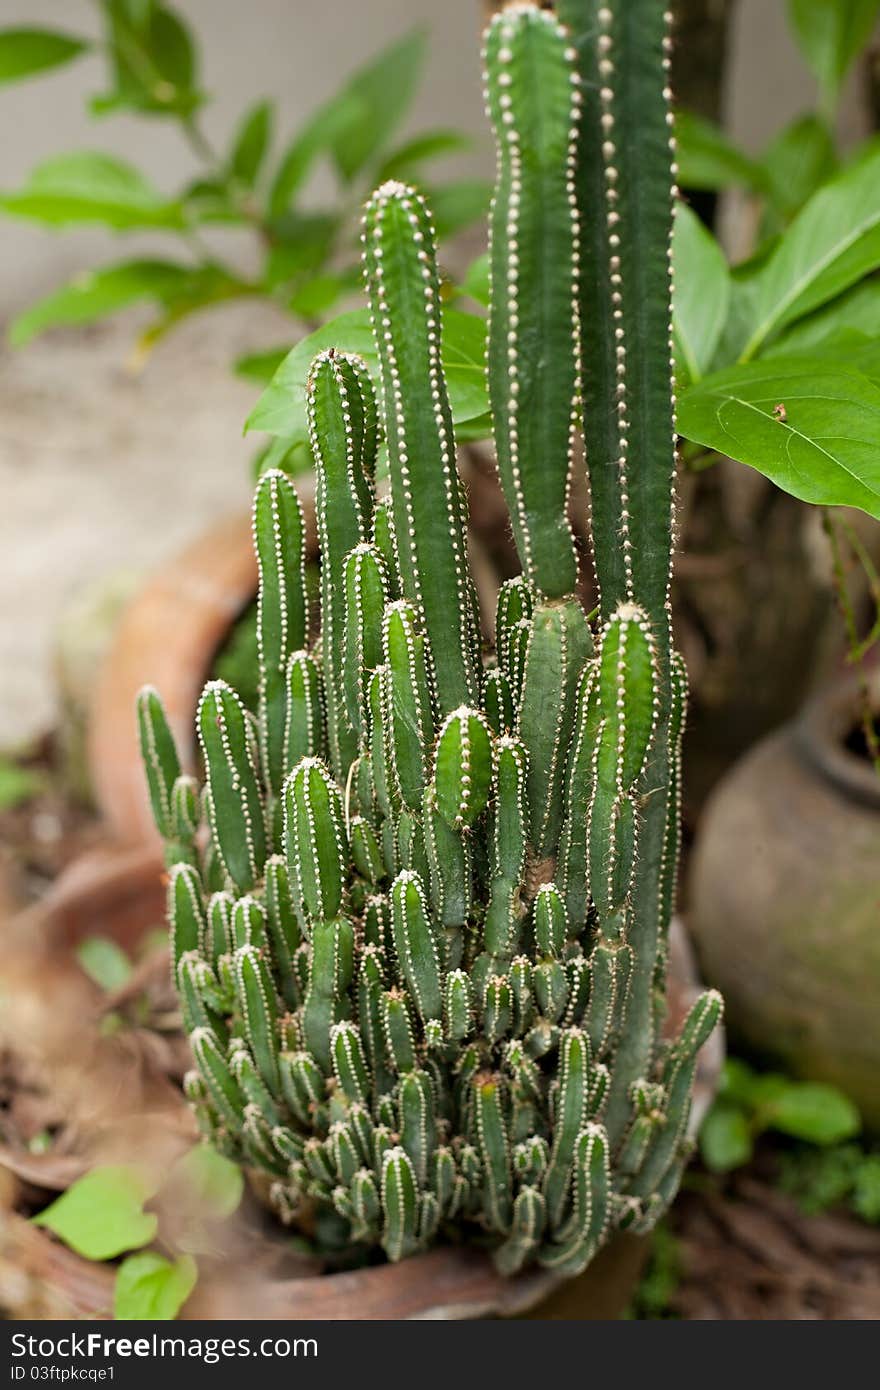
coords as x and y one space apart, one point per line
122 895
168 636
785 899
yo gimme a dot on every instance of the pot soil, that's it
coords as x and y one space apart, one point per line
252 1273
785 898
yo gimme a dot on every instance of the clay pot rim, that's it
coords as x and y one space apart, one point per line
819 733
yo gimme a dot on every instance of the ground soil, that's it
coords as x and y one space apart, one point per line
41 836
747 1252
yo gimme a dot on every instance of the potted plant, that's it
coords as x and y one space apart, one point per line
132 1111
419 910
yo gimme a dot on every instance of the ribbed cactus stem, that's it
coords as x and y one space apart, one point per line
533 95
279 541
342 429
404 293
419 941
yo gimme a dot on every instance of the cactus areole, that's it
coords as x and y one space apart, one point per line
419 909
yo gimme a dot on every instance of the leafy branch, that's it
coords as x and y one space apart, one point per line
307 258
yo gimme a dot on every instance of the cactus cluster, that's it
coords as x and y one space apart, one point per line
419 909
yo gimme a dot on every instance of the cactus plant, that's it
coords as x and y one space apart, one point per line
420 941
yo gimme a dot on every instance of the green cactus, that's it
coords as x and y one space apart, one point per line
423 979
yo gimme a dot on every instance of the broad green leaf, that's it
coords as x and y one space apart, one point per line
468 431
856 353
24 52
741 310
833 242
737 1083
96 293
856 313
210 200
313 298
281 410
354 124
204 286
797 163
91 187
831 34
302 243
701 296
811 426
708 159
307 145
251 143
476 282
376 99
260 367
278 453
406 161
725 1138
102 1214
104 961
214 1183
149 1287
457 205
815 1112
153 60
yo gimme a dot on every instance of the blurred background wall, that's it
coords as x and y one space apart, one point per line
105 470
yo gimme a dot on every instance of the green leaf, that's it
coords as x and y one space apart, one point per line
303 242
866 1190
104 962
405 163
149 1287
277 453
707 159
214 1183
811 427
102 1214
91 187
203 286
260 367
831 34
702 293
18 784
24 52
210 200
251 143
815 1112
833 242
153 61
854 314
354 124
313 298
476 281
96 293
281 410
457 205
300 154
376 99
725 1139
737 1082
797 163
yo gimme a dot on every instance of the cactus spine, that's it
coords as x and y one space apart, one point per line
421 977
